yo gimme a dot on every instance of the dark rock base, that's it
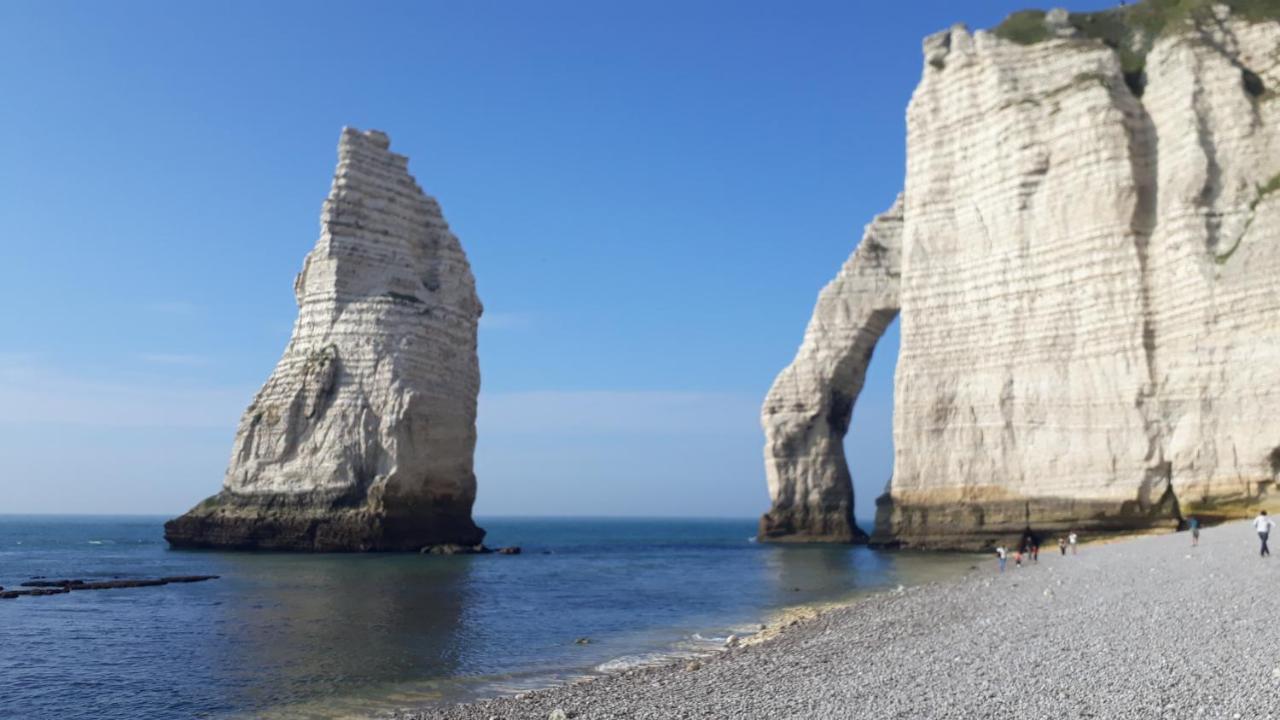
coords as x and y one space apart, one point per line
810 527
312 524
983 525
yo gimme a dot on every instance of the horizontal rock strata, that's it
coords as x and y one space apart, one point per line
363 436
1088 288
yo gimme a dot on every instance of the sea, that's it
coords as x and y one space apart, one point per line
364 635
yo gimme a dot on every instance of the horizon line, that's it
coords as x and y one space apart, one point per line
475 517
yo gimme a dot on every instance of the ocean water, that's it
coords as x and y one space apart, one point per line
325 636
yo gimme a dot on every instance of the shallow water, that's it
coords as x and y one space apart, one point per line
347 635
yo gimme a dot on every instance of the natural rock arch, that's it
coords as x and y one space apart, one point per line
807 412
1087 295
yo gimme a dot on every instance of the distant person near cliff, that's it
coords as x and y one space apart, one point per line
1002 555
1028 542
1062 545
1194 525
1263 525
1073 540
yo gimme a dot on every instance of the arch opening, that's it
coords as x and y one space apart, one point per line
868 445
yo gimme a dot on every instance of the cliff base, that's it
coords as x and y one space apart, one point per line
231 521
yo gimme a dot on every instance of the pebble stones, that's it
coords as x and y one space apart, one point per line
983 647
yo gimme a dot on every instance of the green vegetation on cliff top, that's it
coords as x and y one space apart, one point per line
1132 29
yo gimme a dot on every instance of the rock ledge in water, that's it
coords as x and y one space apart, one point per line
36 588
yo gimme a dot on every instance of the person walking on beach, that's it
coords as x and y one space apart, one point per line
1035 550
1002 555
1194 524
1062 545
1072 538
1017 558
1263 525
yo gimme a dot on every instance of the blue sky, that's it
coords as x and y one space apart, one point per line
651 194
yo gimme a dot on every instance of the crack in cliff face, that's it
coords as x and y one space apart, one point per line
1217 35
1262 192
1211 192
1144 166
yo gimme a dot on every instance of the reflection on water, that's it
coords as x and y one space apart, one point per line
804 573
316 623
341 635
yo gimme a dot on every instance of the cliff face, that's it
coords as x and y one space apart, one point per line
363 436
1088 291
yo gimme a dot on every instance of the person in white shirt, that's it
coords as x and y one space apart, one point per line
1263 525
1071 540
1001 555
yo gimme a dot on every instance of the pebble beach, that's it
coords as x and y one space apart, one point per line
1148 627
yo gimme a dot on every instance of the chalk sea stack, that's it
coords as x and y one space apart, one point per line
362 438
1086 261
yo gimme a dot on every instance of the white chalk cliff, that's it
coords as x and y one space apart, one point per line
363 436
1086 262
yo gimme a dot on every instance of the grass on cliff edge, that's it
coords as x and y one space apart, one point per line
1132 29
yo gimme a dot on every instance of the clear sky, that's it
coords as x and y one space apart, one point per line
651 194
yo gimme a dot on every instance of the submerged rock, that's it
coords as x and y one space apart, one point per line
363 436
1084 257
189 578
455 549
50 583
36 588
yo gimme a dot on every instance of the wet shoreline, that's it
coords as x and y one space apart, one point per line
1148 627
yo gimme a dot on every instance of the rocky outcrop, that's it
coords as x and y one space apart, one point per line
363 436
1088 294
37 588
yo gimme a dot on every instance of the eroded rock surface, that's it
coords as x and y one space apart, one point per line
363 436
808 410
1088 292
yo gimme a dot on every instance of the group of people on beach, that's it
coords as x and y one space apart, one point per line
1029 547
